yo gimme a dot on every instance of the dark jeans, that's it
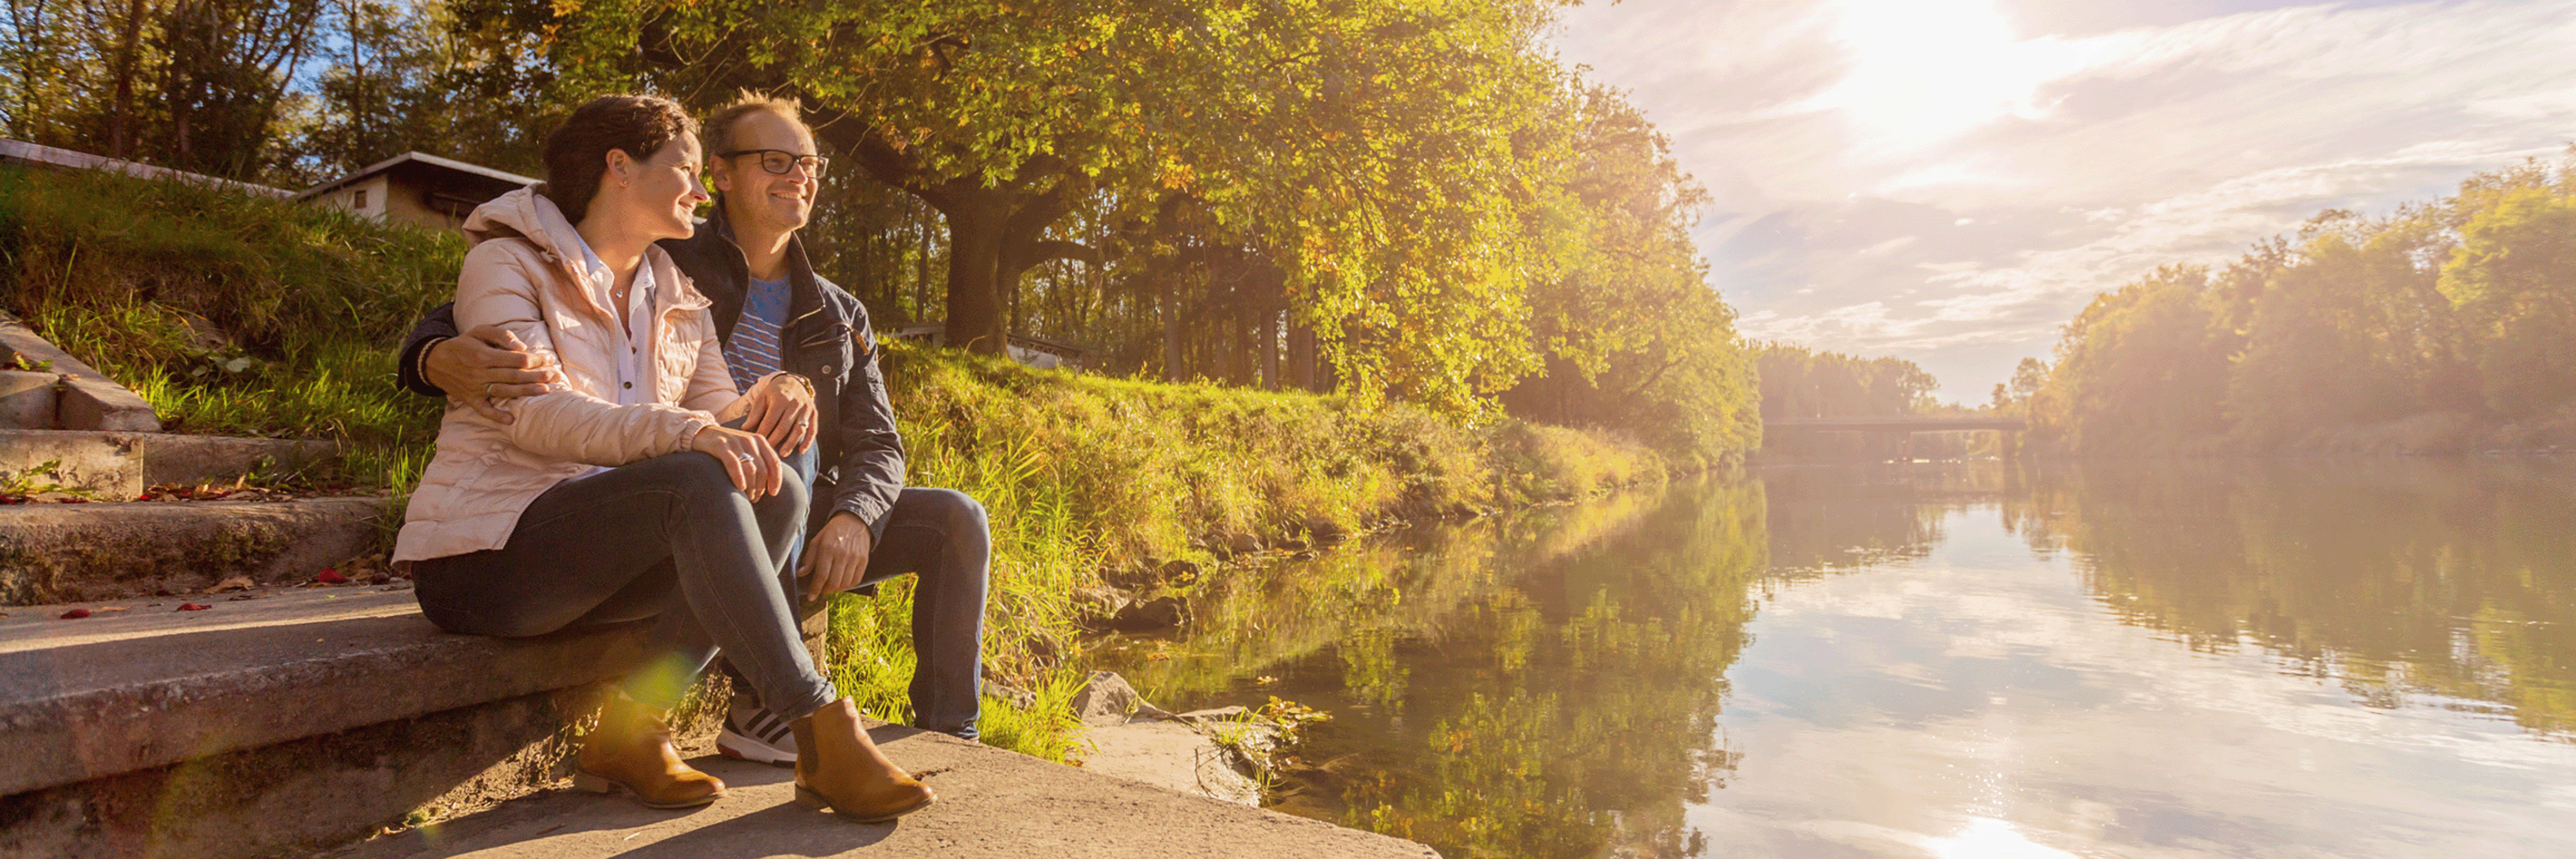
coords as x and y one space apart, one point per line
667 537
942 536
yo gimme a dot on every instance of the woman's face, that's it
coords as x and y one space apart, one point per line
665 190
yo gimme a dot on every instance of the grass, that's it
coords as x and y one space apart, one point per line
231 314
283 321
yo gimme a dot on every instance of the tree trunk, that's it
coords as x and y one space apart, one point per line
1269 346
119 136
975 223
1301 356
1171 329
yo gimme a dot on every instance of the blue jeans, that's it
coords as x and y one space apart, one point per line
667 538
942 536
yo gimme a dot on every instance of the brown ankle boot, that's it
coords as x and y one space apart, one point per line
839 768
631 751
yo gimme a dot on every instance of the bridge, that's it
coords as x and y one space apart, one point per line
1895 425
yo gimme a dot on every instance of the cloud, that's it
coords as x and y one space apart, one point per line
2035 167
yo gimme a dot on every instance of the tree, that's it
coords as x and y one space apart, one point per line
2512 278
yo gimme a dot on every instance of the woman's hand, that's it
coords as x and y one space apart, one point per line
782 411
747 458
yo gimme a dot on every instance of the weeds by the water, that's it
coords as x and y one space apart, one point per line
249 316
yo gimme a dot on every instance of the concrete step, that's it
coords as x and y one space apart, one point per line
118 466
306 719
84 398
52 553
297 720
992 803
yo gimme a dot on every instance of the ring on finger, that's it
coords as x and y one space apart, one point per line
487 390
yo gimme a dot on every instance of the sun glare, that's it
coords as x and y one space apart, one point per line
1926 70
1987 838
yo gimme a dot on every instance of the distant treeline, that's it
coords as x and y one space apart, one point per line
1391 198
1798 382
2444 326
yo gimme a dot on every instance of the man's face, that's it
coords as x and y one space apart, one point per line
755 196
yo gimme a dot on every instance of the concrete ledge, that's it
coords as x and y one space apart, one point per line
120 465
91 400
53 553
121 692
298 797
27 399
193 459
110 464
992 803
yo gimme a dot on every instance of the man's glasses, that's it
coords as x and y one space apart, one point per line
780 161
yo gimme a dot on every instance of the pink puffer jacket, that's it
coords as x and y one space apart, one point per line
524 274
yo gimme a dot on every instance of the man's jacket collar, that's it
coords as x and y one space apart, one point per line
717 246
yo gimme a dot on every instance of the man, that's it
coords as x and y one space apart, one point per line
773 313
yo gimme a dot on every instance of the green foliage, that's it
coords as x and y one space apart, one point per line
1491 699
1084 476
282 323
1798 382
2369 566
2440 327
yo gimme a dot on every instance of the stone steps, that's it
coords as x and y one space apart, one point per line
65 394
60 553
118 466
304 718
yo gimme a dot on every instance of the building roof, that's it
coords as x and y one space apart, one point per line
22 152
421 158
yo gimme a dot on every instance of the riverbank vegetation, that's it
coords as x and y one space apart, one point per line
1386 199
285 320
2445 326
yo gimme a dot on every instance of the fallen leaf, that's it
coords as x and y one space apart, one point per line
331 576
76 614
193 607
236 583
114 607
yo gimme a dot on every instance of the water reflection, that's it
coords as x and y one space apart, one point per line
2165 659
2396 577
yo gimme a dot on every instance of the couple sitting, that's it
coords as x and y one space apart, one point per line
645 417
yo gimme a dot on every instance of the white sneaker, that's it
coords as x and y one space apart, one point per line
752 733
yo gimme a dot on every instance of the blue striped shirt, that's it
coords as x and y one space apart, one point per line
753 352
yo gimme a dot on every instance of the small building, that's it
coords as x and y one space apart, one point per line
416 188
1035 352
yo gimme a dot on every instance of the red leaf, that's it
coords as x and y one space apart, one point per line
193 607
76 614
331 576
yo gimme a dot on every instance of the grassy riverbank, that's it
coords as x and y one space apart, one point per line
258 317
1101 486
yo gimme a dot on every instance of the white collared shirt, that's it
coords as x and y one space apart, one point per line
634 381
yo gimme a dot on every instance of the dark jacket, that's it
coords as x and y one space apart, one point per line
826 339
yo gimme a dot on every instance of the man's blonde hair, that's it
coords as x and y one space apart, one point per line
719 126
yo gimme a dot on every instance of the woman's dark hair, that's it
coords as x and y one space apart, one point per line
577 151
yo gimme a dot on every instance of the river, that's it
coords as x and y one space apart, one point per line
1952 660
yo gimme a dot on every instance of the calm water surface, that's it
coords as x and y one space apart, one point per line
2173 659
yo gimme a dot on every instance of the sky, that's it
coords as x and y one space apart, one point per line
1949 181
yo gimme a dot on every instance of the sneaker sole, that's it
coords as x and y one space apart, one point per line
742 748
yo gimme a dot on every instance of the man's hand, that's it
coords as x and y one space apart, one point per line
782 410
836 560
485 366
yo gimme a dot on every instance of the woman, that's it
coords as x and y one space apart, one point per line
618 494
